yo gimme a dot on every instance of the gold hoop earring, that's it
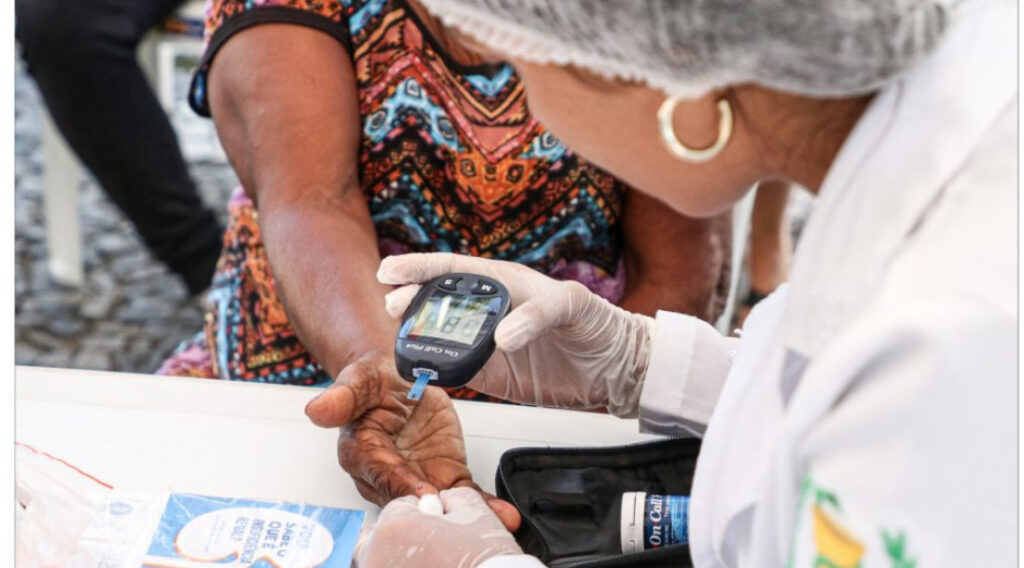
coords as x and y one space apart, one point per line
680 150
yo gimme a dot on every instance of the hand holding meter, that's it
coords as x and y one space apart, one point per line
447 332
562 345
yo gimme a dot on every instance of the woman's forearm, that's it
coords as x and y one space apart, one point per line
284 101
326 254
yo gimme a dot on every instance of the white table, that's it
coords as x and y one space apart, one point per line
147 434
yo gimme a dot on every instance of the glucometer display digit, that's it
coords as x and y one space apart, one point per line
451 317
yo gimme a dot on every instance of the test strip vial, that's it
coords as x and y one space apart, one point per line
650 521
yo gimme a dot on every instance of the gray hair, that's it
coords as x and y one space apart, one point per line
689 47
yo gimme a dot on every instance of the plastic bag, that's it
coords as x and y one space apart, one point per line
69 519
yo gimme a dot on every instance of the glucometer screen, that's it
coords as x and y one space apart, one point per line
451 317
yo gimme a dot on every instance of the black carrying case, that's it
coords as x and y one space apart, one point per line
569 499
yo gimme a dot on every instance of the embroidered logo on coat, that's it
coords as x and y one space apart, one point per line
823 537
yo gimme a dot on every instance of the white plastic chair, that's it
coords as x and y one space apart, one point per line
62 175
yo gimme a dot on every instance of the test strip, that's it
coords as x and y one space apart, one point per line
423 376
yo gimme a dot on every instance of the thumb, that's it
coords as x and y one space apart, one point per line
359 387
540 314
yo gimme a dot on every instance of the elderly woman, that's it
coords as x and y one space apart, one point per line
359 129
878 386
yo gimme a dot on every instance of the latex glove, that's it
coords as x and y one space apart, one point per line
560 345
392 446
466 535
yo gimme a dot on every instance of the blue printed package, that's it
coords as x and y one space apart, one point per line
665 519
238 532
650 521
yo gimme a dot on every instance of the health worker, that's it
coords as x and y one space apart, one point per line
866 413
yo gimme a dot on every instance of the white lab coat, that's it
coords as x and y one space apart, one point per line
867 416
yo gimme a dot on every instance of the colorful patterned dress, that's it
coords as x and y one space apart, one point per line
450 160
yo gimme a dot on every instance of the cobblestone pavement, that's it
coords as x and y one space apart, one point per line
131 312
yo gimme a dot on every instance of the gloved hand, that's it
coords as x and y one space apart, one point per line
466 535
560 345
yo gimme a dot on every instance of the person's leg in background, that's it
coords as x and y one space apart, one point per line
771 243
82 55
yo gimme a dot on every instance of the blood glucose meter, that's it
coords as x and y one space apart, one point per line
447 332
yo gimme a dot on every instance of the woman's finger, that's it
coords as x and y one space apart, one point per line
504 510
359 387
367 492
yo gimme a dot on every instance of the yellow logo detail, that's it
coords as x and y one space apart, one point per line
836 547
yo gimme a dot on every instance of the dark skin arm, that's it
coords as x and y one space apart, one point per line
270 90
674 262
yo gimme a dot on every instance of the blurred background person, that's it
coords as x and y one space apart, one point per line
82 56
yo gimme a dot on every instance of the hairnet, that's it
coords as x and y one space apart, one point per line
689 47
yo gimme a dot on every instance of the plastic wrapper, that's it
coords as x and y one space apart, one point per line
67 518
